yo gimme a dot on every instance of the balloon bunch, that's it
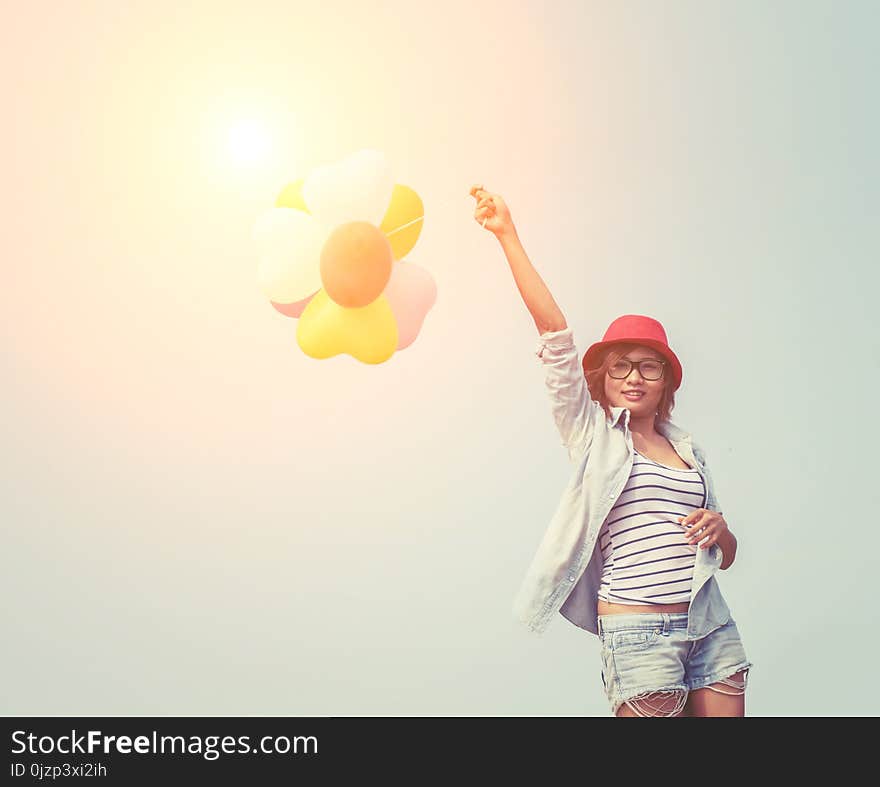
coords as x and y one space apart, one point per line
331 255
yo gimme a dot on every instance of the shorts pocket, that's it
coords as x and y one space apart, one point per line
627 641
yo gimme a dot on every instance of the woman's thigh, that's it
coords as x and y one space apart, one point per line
724 698
717 674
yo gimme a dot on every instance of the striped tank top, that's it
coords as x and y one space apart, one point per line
645 553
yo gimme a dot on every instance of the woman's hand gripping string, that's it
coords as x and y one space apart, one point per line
492 211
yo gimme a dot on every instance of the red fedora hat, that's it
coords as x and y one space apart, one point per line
635 329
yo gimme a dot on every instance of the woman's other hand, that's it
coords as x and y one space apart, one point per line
703 525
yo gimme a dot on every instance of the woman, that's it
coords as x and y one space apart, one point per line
632 550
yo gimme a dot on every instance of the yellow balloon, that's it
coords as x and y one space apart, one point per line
405 208
291 196
368 333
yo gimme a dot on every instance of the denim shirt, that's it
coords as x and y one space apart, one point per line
565 572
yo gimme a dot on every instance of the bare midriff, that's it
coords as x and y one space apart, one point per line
605 608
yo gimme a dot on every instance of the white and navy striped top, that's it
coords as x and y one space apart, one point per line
645 553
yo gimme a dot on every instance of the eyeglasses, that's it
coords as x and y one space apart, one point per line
650 369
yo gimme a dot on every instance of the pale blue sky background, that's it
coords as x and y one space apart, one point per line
198 519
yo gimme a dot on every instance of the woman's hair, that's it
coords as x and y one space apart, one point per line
596 381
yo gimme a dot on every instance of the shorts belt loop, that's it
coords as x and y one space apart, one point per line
666 624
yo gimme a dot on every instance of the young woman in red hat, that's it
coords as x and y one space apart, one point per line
632 551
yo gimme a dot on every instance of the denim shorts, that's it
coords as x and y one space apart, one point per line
643 653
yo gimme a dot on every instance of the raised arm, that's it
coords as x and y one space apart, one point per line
492 209
573 410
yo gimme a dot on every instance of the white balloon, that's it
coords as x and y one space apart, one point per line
357 188
270 223
290 244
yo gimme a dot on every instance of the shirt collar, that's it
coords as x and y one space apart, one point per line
616 413
667 429
673 432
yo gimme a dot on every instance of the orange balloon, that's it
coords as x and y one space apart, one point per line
355 264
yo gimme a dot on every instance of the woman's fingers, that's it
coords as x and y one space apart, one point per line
486 208
480 194
698 537
701 525
695 530
693 517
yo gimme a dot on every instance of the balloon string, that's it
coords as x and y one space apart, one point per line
414 221
404 226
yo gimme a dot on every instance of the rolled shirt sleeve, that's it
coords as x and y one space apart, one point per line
573 410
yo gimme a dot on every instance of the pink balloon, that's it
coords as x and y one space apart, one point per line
411 292
293 309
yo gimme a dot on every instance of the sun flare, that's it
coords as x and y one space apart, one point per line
248 142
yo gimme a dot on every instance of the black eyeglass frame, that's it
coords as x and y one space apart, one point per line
638 365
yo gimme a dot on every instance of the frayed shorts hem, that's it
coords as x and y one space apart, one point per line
677 689
701 683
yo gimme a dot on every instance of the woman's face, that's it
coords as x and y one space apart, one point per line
646 394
